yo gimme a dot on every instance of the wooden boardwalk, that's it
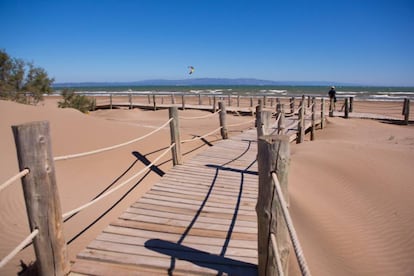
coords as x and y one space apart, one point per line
198 219
236 109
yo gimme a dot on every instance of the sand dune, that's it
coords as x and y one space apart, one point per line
351 190
352 198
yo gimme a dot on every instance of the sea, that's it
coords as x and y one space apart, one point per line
368 93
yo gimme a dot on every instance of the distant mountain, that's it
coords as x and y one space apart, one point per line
201 81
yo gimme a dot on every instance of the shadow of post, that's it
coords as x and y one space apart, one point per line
201 258
147 162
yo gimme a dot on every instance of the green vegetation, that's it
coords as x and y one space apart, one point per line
79 102
21 81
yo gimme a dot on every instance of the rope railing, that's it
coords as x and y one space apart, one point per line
200 137
291 229
201 117
14 178
71 156
18 248
277 255
74 211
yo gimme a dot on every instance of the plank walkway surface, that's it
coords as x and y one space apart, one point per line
198 219
165 106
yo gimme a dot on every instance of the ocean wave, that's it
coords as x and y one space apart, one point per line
350 92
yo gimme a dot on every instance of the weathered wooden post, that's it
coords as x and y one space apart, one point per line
229 100
214 104
183 101
175 135
110 101
309 101
331 107
278 108
154 102
172 98
130 100
272 102
322 113
251 101
281 123
273 156
199 100
34 151
149 98
404 106
222 117
303 101
351 104
346 110
258 121
407 111
209 100
263 120
264 101
301 123
238 100
292 105
312 136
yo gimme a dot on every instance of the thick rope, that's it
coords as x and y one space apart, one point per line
200 117
18 248
291 229
200 137
277 255
112 147
14 178
74 211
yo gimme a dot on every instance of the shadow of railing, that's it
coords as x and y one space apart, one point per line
219 262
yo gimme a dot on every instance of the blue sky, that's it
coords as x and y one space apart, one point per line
366 41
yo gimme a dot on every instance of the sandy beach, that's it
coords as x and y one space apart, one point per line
350 190
81 179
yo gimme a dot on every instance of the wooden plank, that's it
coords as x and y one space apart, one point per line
200 189
189 239
180 266
219 181
171 215
179 229
195 195
185 223
207 208
156 207
248 206
165 250
213 249
91 267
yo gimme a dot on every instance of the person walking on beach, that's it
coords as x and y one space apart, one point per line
332 94
332 98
